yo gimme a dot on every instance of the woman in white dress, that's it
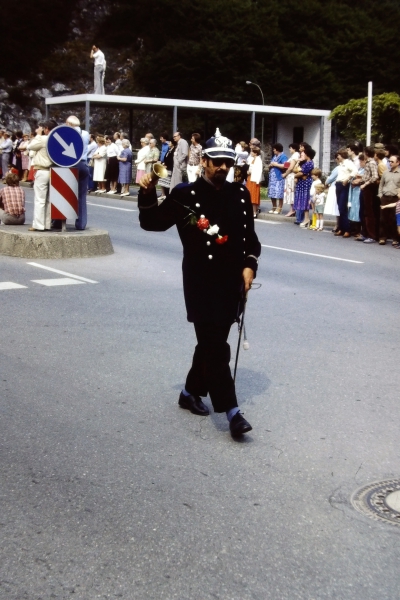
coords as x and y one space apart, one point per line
331 205
290 181
141 156
100 163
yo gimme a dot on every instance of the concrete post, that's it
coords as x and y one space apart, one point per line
130 124
369 113
87 115
175 120
253 124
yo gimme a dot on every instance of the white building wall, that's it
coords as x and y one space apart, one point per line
313 128
326 145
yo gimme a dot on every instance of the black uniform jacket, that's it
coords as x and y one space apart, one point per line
212 272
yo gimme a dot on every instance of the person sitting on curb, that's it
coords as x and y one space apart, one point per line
12 202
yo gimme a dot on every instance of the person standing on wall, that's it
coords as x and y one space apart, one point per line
99 69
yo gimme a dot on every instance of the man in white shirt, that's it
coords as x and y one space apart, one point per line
41 163
99 69
352 151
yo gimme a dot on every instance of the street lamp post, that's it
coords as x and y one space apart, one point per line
262 122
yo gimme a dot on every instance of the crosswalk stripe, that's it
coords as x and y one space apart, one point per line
10 285
58 281
62 272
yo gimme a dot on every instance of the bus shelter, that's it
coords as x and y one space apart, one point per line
290 124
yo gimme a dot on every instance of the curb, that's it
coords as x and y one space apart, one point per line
16 240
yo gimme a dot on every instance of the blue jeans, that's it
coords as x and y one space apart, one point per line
91 184
299 216
83 178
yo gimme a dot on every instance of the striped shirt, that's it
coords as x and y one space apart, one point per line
13 200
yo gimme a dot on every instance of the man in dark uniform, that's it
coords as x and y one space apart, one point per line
215 222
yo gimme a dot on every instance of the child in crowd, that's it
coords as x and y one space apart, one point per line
397 205
12 169
12 202
315 176
319 204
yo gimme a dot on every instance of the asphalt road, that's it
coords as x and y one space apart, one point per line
109 490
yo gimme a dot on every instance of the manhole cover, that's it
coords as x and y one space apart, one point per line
380 501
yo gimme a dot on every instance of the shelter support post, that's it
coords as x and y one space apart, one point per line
253 124
47 111
130 124
175 120
87 115
369 113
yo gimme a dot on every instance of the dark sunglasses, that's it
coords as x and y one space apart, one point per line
218 162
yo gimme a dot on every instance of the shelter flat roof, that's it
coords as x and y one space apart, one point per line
139 101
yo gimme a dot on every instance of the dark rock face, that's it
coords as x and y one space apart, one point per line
65 69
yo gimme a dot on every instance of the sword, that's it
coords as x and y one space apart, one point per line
241 326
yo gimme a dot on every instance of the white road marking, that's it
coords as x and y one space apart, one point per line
58 281
9 285
112 207
62 272
358 262
266 222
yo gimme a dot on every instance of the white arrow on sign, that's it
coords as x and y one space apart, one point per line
69 150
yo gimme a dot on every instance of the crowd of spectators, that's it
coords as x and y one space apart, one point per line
361 191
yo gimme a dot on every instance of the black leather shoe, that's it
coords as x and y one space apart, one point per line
194 404
239 425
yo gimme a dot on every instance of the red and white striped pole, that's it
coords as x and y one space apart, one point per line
64 193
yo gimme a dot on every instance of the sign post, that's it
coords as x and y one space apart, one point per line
65 149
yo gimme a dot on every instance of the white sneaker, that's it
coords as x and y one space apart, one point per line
112 192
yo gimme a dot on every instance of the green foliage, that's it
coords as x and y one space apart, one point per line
351 118
310 53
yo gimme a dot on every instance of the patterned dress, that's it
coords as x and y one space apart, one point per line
290 182
276 185
303 186
125 167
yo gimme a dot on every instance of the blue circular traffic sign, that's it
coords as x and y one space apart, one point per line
65 146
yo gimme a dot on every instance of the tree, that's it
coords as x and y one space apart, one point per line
351 118
311 53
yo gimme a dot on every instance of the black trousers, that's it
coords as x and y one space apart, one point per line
210 372
342 195
369 207
387 220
